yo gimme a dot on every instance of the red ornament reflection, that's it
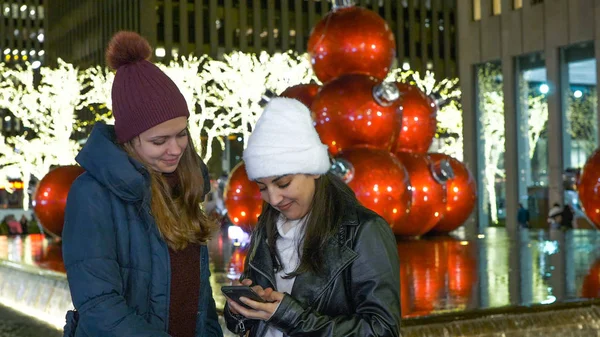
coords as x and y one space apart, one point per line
405 301
424 275
37 246
347 114
242 198
428 195
462 270
591 282
50 197
461 195
236 262
305 93
418 120
351 40
588 188
380 183
52 258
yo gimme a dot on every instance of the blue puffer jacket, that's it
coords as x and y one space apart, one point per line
118 266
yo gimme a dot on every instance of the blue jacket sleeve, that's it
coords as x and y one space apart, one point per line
90 256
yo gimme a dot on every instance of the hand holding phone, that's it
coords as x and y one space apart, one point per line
235 292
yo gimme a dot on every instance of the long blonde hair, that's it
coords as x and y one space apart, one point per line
180 218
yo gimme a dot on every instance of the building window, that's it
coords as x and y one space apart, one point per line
532 136
490 149
476 10
580 105
580 116
517 4
497 7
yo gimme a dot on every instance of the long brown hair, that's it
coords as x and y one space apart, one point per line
179 216
332 196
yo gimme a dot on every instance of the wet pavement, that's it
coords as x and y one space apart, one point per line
440 277
16 324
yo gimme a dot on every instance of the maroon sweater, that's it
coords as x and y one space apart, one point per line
185 291
185 285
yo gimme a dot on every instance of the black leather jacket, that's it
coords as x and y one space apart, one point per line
357 295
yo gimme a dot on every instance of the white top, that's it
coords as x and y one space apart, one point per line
290 233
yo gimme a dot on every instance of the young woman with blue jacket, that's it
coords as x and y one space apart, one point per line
134 239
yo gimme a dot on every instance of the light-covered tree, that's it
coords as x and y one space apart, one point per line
449 117
95 94
582 121
537 117
206 120
240 80
492 136
47 114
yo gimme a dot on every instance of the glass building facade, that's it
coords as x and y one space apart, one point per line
529 77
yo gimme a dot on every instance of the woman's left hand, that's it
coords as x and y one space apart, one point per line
262 311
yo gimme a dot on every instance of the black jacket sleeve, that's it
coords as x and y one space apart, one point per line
375 286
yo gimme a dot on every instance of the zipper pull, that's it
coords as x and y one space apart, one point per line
241 327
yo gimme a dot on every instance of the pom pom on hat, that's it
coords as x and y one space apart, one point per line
143 96
127 48
284 141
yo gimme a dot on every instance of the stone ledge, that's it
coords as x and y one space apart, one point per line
41 294
563 322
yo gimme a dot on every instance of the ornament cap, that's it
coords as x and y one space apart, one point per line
386 93
343 169
442 171
337 4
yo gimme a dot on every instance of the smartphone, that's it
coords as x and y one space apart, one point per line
235 292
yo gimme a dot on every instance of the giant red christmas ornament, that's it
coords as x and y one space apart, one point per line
351 40
428 193
50 197
418 119
380 183
242 198
356 110
589 187
305 93
461 195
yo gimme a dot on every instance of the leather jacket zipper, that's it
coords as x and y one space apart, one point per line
265 275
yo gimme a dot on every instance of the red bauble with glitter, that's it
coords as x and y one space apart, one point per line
380 183
242 198
589 188
348 112
418 120
428 194
461 195
50 197
305 93
351 40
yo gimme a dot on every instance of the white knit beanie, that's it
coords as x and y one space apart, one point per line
284 141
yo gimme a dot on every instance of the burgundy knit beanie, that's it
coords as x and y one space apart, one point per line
142 95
